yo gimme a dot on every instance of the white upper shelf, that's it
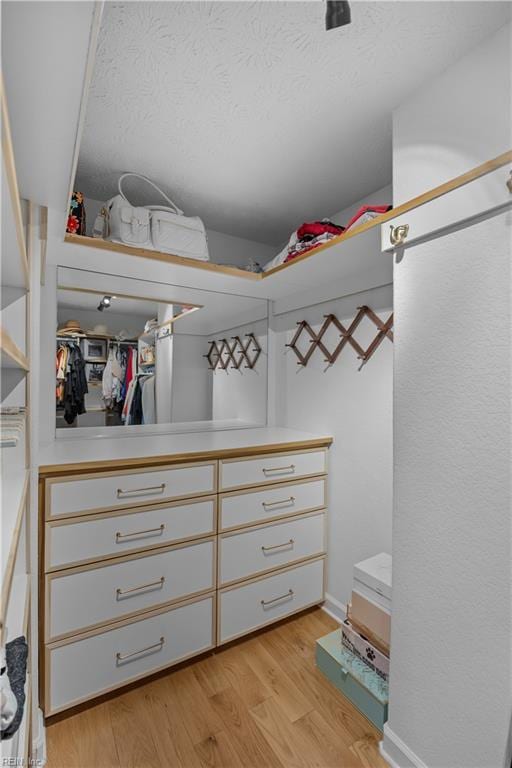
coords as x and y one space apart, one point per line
356 261
14 252
346 264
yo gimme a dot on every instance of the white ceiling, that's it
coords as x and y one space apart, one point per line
252 115
120 305
219 312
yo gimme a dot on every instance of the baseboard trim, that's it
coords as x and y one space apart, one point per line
397 753
335 609
39 741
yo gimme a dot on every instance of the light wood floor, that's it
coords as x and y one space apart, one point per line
259 703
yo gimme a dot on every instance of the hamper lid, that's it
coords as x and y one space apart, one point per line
375 573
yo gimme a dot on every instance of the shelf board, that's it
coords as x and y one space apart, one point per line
353 260
169 258
415 202
11 354
14 497
15 269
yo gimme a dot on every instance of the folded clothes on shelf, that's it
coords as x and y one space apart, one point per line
366 213
310 235
12 426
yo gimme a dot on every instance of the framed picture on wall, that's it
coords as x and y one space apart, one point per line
94 372
95 349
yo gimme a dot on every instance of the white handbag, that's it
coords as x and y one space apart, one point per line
156 227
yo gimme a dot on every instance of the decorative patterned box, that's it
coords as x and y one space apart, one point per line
364 650
353 678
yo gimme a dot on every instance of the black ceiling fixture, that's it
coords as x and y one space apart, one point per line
105 303
337 14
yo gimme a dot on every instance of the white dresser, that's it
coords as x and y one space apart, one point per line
152 559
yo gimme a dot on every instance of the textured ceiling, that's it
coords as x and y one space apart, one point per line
253 116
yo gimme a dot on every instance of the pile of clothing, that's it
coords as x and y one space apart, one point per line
71 381
139 405
314 233
120 368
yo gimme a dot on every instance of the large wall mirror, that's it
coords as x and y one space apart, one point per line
134 356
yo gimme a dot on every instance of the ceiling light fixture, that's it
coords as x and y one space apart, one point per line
337 14
105 303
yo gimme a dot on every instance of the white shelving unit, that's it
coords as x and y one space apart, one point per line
14 428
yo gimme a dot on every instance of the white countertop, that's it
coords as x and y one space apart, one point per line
106 449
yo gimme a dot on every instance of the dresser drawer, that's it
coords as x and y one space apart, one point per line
266 547
99 492
81 599
259 602
79 540
237 510
240 473
79 669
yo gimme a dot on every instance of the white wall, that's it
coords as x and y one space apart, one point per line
451 668
383 196
242 394
460 120
223 249
238 251
192 386
450 693
355 407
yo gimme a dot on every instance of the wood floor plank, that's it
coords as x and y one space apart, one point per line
85 739
198 716
132 732
367 751
248 742
245 682
210 675
334 707
293 703
216 752
321 744
320 623
169 733
279 733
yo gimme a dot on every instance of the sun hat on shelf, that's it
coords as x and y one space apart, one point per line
99 330
70 328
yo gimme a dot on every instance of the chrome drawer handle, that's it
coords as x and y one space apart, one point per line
155 646
134 491
290 593
289 543
159 583
266 504
155 531
289 468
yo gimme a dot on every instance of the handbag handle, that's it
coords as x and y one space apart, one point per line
151 183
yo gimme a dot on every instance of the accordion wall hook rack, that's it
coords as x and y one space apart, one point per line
316 340
224 354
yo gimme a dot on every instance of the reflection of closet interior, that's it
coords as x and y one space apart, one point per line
105 376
